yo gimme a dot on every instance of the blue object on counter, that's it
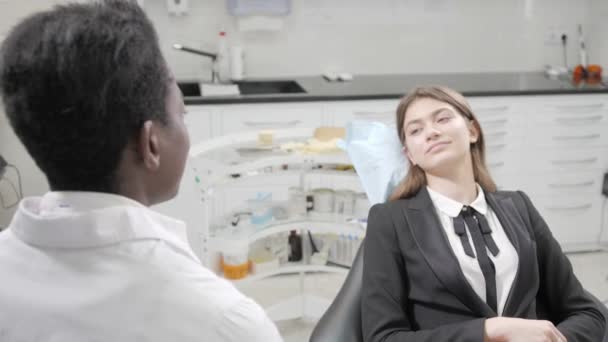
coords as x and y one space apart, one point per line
261 208
377 155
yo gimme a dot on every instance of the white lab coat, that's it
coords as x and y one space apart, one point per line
78 266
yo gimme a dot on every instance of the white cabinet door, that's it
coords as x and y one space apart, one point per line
254 117
199 121
564 161
563 184
574 220
340 113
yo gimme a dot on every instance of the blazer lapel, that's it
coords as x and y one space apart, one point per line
433 244
523 290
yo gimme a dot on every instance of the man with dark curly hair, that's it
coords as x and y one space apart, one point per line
89 94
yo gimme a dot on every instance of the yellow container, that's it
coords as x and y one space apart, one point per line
235 260
234 272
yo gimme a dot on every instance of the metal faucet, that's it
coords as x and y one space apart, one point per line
214 72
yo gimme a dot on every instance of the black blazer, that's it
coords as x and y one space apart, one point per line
414 289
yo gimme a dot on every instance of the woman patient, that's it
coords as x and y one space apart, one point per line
450 258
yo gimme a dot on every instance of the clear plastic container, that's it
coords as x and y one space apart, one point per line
344 202
297 202
261 208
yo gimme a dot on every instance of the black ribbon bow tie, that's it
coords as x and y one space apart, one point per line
474 220
481 234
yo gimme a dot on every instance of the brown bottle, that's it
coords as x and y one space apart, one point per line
295 246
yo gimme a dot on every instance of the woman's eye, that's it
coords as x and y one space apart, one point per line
414 131
443 119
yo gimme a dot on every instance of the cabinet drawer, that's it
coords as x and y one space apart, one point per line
504 179
501 158
543 160
569 136
199 123
499 139
564 184
269 116
571 219
495 111
580 110
372 110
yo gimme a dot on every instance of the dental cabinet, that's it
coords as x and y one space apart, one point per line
253 202
553 147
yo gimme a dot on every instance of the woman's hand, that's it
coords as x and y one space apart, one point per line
505 329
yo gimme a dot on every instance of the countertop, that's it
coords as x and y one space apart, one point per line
366 87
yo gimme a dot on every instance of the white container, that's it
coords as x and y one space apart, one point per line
235 252
344 202
263 261
237 63
323 200
223 58
296 202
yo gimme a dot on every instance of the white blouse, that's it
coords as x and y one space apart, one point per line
505 262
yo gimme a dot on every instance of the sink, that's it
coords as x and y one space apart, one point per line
249 87
269 87
190 88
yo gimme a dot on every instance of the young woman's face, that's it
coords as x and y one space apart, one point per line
437 136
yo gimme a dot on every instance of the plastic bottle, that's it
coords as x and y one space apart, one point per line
223 58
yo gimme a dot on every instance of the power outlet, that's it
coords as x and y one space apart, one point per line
553 35
177 7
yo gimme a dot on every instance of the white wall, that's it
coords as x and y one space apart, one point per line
382 36
359 36
598 42
33 181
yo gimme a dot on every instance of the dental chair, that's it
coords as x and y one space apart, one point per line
342 320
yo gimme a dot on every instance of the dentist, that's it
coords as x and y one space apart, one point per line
88 92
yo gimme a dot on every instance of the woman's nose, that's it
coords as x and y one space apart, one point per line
432 133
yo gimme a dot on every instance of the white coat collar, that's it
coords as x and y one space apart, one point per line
90 219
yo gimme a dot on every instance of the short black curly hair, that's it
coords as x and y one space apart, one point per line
77 83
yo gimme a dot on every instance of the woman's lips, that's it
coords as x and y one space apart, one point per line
436 145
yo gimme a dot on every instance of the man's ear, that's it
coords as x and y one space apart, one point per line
149 145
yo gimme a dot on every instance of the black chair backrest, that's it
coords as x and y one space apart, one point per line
604 311
342 320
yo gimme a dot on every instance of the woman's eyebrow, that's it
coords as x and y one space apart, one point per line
433 114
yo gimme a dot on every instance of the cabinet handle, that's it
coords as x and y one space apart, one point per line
590 106
497 109
272 123
494 122
580 119
574 207
571 185
496 164
496 134
374 114
575 161
576 137
496 146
